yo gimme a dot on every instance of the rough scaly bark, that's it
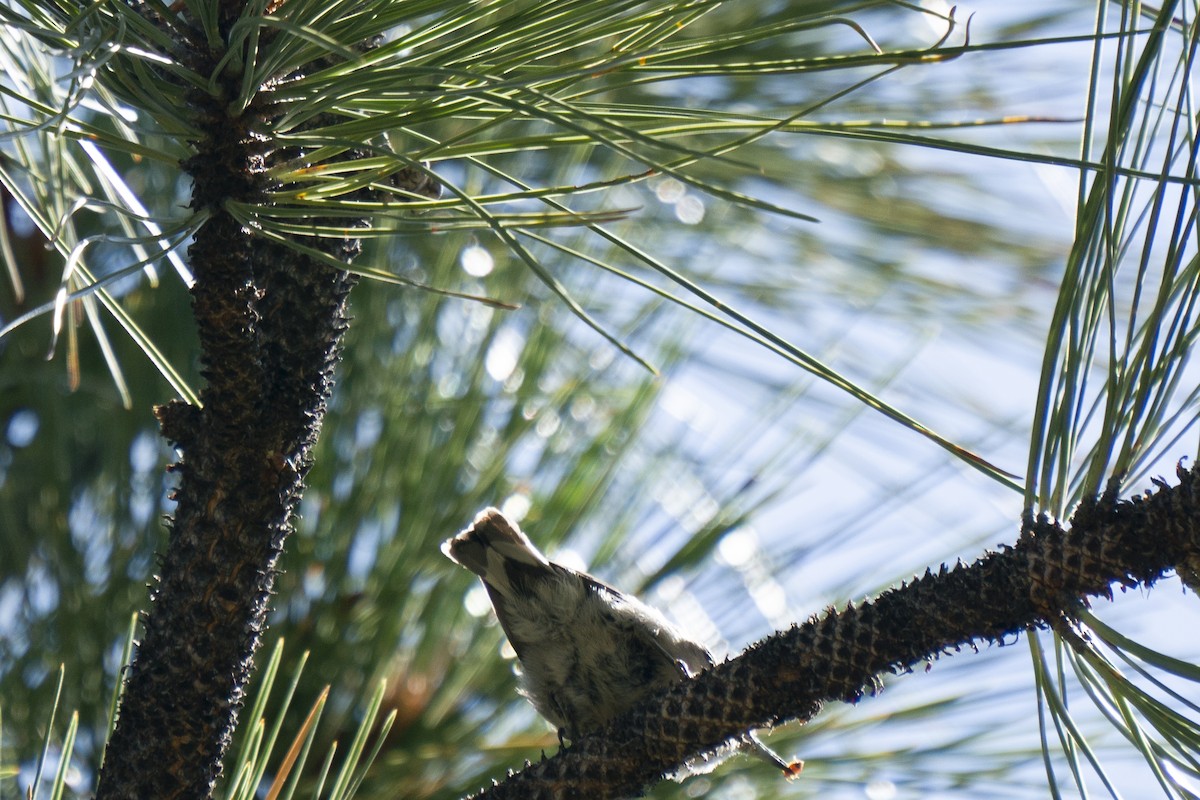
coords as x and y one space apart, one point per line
269 324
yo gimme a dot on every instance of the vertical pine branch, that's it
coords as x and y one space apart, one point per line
269 323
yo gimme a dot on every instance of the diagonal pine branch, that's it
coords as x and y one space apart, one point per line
841 655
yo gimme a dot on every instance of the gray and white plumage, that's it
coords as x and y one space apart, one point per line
588 651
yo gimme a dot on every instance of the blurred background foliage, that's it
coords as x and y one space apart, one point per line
732 489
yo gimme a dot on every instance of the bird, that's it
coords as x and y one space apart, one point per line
587 651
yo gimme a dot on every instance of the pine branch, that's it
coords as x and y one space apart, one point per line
841 655
269 323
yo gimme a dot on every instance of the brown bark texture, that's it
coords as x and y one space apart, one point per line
842 654
269 324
